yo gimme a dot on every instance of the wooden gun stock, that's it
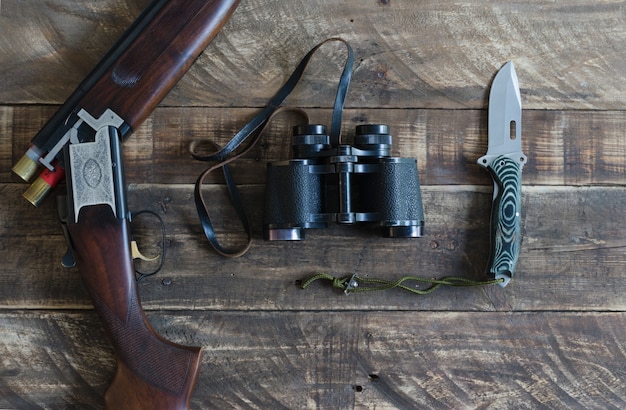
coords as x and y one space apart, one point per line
152 373
83 140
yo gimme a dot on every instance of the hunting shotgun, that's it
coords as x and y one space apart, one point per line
81 143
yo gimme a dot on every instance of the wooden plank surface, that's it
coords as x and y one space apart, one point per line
572 255
553 338
436 54
573 148
337 360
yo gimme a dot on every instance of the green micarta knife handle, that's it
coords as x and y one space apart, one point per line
506 235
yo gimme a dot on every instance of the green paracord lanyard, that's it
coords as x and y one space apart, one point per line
354 283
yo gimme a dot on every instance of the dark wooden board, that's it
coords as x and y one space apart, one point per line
439 54
563 147
341 360
572 255
553 338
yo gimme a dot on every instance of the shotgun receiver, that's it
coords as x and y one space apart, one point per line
81 143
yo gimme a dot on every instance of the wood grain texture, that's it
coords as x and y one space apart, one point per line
572 255
572 148
337 360
436 54
553 338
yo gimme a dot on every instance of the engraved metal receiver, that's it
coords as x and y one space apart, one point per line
79 127
95 176
91 173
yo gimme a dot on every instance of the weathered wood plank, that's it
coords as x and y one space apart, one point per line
572 255
552 338
6 142
563 147
336 359
439 54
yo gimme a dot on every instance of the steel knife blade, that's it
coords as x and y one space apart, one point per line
504 161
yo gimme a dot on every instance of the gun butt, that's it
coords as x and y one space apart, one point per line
129 392
152 372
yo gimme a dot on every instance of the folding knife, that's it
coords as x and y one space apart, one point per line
504 161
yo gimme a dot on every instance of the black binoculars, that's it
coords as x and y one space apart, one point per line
346 184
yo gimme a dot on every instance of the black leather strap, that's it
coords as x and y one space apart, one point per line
252 131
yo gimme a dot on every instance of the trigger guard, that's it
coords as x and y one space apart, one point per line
141 275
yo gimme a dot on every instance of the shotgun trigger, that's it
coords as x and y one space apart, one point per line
138 255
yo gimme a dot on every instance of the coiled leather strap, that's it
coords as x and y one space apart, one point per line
251 132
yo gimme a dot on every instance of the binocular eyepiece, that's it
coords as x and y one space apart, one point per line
348 184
